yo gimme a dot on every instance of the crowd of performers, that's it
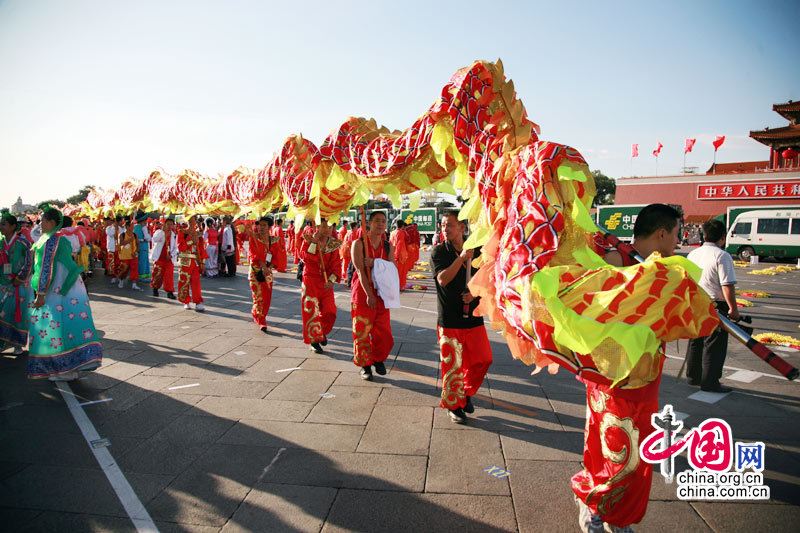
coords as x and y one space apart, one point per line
45 309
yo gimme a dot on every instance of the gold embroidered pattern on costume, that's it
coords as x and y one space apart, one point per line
310 307
183 286
362 348
628 457
453 380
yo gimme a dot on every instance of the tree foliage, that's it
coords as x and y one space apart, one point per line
606 189
75 199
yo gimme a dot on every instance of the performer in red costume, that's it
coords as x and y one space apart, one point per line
291 237
614 485
261 252
322 266
191 256
279 259
399 242
465 350
372 328
163 253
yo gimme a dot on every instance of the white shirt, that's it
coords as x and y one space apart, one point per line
159 237
227 239
717 266
111 238
387 282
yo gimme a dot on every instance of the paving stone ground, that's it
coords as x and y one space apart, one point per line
248 448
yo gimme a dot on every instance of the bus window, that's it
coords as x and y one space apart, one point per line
773 225
743 228
796 226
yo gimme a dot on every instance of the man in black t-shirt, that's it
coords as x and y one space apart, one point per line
465 350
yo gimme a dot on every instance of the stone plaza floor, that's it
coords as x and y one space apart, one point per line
217 426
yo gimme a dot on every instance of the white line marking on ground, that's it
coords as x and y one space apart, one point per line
266 468
745 376
416 309
184 386
707 397
288 369
240 353
127 497
764 374
680 417
96 401
780 308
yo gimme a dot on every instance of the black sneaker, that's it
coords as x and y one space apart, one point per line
380 368
155 293
366 373
324 340
171 296
263 329
457 415
469 408
316 347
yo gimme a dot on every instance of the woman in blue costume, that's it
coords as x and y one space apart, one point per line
62 338
144 237
16 295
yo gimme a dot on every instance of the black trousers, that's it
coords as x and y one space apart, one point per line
705 356
230 265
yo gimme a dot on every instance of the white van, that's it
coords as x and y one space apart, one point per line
768 232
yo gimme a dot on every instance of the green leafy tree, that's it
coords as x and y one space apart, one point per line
606 189
55 203
75 199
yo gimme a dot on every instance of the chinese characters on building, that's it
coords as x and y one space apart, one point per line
721 191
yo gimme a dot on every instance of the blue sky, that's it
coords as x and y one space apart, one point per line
94 92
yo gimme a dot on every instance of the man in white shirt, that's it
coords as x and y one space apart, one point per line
112 257
228 248
705 356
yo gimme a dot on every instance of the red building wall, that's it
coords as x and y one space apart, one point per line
686 190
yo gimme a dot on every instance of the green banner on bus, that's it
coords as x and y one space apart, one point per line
424 218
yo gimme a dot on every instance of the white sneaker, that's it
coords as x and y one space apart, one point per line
121 283
588 522
187 307
64 377
136 287
114 280
199 308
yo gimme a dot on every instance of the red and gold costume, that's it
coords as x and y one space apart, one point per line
292 237
128 253
191 253
465 350
615 482
412 245
372 328
399 241
261 279
347 242
318 305
279 257
163 268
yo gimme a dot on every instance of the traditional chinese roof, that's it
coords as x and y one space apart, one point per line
786 136
743 166
790 111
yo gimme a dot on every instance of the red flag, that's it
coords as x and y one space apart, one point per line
689 145
718 142
634 150
658 149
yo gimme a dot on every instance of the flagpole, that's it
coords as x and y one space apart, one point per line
714 164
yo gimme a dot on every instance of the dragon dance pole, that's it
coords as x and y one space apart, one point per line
774 360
